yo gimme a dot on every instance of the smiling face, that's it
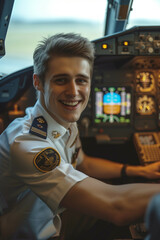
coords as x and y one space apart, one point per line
66 88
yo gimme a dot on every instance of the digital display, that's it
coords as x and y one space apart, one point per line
112 105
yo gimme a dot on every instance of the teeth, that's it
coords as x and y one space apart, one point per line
71 103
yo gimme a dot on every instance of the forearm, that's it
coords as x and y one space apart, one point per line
105 169
120 205
132 204
135 171
100 168
151 171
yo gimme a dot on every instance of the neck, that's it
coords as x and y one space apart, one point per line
42 102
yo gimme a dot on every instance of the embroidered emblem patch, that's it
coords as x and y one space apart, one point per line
39 127
47 160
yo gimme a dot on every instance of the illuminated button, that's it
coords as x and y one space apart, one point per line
125 43
104 45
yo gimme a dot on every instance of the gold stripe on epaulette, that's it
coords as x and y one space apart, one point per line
39 131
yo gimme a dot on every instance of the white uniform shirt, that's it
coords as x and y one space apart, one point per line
30 194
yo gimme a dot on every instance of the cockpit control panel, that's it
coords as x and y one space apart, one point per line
125 86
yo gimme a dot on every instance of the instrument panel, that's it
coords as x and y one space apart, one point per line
124 98
126 86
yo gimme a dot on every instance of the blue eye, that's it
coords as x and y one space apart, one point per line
82 80
60 81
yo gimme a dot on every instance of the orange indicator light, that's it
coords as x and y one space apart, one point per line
125 43
104 46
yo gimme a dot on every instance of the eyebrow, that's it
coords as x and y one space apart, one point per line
67 75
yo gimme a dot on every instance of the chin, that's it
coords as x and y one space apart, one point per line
72 120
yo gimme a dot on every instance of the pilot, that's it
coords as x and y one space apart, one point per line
43 170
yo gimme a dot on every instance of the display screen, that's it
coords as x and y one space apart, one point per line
112 105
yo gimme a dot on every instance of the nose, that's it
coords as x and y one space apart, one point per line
72 88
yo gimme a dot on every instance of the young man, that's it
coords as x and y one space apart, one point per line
42 167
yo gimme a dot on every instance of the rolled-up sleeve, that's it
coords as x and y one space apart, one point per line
50 186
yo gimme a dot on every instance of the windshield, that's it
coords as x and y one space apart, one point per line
144 13
33 20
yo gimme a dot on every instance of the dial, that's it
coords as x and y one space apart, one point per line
144 81
145 105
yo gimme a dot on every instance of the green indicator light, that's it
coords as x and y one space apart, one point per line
97 120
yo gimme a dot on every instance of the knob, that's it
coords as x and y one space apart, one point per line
150 50
150 38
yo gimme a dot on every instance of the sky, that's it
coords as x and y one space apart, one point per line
146 11
70 9
93 10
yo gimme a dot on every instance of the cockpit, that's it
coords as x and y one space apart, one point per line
122 118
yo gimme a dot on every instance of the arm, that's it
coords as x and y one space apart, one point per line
151 171
120 205
99 168
105 169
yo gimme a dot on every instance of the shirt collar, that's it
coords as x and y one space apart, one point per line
55 130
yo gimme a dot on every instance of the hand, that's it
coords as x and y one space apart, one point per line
152 171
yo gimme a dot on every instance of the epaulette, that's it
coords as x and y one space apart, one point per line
39 127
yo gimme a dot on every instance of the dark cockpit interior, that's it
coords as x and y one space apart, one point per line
122 119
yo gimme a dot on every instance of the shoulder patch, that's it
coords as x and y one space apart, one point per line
47 160
39 127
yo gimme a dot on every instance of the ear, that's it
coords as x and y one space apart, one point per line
37 83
